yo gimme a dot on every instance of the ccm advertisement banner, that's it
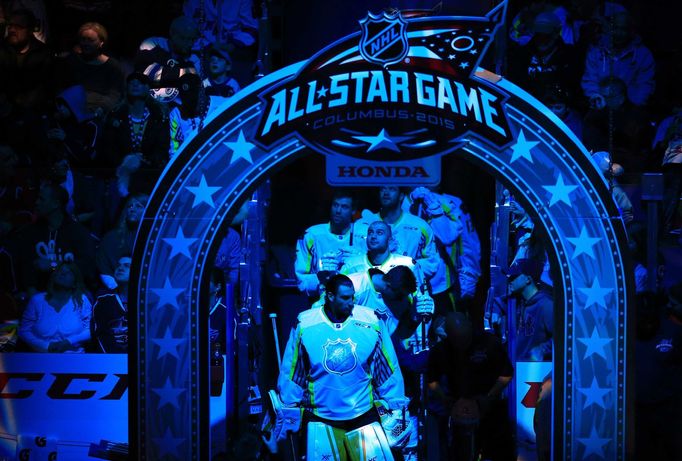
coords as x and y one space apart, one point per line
60 400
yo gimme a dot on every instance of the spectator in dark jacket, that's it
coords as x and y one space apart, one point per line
25 64
88 65
545 60
619 127
54 238
622 55
135 134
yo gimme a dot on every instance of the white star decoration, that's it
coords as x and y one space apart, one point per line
595 344
595 294
560 192
180 244
168 395
583 244
240 148
168 345
168 445
522 148
382 141
167 295
594 393
593 444
203 193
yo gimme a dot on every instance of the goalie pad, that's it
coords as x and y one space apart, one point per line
365 443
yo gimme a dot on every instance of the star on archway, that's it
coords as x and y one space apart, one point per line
594 445
168 445
240 148
168 345
583 244
560 192
167 295
595 344
595 294
522 148
203 193
180 244
594 394
383 141
168 395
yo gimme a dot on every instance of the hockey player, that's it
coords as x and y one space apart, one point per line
366 270
410 308
323 247
457 244
411 235
337 362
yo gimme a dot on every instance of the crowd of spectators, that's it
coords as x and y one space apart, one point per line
87 124
86 127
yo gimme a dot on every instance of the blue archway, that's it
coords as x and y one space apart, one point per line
523 144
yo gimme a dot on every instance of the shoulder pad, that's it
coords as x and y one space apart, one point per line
310 317
402 260
316 229
365 314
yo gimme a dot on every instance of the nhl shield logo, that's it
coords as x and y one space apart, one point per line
339 356
384 38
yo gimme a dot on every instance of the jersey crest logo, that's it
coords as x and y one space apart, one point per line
384 38
339 356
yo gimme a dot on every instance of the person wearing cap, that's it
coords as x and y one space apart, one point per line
134 141
219 81
408 308
535 311
545 60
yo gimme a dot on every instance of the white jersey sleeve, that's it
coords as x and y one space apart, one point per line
319 241
291 382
